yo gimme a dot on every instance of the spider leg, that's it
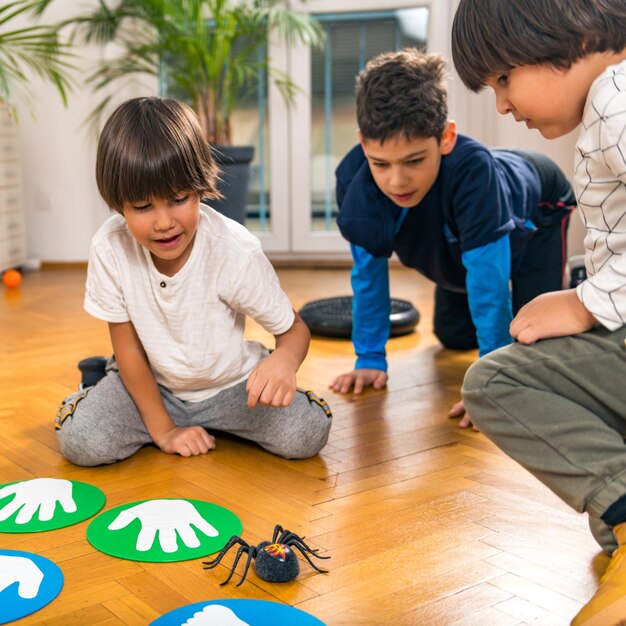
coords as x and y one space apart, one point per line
300 541
306 556
251 554
243 548
277 529
230 543
286 537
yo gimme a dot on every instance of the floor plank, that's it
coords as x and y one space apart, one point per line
425 523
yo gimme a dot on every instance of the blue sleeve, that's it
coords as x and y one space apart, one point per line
489 294
371 307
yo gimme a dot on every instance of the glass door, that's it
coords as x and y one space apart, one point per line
323 118
298 144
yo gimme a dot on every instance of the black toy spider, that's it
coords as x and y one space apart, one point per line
275 560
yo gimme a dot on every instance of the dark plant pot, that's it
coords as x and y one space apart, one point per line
234 163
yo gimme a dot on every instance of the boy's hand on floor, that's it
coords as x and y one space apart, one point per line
554 314
458 410
186 441
272 382
359 379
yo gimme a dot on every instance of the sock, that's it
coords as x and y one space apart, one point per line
616 513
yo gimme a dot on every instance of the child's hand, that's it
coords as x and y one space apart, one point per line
554 314
359 379
186 441
272 382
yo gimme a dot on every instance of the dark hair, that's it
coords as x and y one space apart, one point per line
402 93
153 148
493 36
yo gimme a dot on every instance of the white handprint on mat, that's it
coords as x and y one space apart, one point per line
23 571
215 615
168 517
38 493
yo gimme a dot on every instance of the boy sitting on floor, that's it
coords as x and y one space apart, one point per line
175 281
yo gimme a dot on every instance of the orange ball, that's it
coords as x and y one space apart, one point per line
12 279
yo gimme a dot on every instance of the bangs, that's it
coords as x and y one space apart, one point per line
492 37
153 148
156 171
475 58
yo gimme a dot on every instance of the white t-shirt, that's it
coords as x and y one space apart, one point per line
191 324
600 182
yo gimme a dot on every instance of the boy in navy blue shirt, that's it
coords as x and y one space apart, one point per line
486 226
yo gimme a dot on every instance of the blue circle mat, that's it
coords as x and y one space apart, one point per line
27 583
237 613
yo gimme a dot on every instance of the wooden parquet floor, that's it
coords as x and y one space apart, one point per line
426 524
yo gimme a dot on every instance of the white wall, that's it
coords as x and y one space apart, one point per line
61 201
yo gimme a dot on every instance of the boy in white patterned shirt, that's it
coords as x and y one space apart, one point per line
175 281
556 400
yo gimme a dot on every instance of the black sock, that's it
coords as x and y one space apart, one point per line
92 369
616 513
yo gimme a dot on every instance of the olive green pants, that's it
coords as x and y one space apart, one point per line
558 407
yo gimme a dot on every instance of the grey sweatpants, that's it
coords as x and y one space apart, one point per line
102 424
558 407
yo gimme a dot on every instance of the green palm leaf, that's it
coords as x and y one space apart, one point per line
209 49
30 49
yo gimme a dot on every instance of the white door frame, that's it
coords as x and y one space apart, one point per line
304 242
277 238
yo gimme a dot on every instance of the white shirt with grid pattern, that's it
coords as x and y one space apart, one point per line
600 183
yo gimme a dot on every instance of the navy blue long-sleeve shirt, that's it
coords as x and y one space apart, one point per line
464 235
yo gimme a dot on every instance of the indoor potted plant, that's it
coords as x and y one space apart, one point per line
25 49
207 51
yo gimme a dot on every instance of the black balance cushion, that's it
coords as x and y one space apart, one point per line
332 317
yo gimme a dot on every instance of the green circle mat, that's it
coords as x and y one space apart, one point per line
164 530
40 504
